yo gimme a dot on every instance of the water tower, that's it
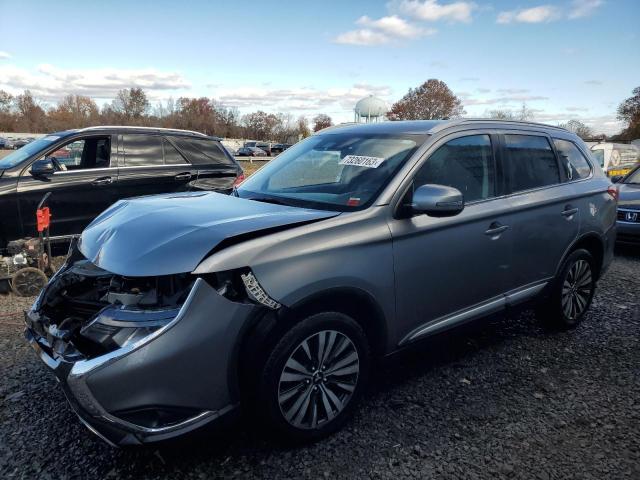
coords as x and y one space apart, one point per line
370 109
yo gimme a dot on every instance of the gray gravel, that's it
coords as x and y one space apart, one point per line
501 400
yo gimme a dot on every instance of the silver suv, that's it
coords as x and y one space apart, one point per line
173 310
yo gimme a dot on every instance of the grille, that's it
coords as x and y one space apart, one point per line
622 216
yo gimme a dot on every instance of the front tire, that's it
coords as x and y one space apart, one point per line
571 292
314 377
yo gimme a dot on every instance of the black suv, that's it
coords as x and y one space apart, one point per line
87 170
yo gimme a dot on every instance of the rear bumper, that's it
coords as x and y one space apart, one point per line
188 366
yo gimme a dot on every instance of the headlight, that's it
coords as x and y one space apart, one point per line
116 327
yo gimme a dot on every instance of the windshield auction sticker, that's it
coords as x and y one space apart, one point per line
362 161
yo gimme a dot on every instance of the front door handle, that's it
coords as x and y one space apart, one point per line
569 211
183 176
102 181
496 229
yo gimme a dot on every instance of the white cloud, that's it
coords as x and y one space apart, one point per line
363 37
583 8
432 11
501 100
4 55
381 31
593 82
298 99
540 14
52 83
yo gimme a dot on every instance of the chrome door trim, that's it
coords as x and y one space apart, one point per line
479 310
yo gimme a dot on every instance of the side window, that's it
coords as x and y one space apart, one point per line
201 150
465 163
530 162
598 156
142 150
83 154
171 155
576 165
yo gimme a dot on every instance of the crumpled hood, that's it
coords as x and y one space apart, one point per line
629 196
172 233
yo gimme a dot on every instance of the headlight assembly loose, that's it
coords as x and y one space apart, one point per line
256 292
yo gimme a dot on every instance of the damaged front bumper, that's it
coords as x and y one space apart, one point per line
171 381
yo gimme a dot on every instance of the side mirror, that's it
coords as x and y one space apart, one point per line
42 167
437 201
616 178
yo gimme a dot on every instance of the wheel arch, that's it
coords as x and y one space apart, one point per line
594 244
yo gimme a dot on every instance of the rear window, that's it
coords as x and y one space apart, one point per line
142 150
573 160
530 162
202 150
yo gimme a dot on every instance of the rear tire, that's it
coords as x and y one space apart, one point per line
314 377
571 292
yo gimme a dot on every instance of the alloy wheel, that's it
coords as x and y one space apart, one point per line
318 379
576 289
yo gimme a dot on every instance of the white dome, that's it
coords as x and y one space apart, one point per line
371 107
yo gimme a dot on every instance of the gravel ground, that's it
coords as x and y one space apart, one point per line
503 399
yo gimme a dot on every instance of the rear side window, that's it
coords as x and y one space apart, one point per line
201 150
530 162
465 163
142 150
573 160
171 155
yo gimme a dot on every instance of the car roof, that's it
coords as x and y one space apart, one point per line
428 127
133 129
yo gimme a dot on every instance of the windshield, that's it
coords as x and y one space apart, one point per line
25 152
332 171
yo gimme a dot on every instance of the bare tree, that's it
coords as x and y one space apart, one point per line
431 100
302 127
74 111
523 114
321 121
579 128
629 112
131 103
32 115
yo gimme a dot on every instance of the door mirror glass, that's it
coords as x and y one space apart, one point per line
616 178
42 167
437 200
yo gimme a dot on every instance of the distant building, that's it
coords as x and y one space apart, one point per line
370 109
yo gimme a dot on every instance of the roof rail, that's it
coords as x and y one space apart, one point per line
459 121
133 127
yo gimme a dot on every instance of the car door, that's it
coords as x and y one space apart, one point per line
546 218
149 164
82 186
216 170
451 269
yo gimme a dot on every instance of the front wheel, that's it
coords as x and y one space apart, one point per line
572 292
314 377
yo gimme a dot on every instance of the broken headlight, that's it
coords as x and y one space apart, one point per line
241 286
116 327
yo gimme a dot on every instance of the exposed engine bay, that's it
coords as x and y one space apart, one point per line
86 311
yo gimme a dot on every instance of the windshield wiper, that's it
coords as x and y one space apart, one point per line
275 201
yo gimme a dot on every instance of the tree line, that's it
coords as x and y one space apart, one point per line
431 100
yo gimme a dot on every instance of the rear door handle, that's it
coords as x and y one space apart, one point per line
496 229
569 211
183 176
102 181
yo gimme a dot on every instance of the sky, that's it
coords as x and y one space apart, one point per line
566 59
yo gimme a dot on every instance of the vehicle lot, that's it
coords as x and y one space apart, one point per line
500 399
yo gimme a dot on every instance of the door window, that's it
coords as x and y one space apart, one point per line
142 150
465 163
571 157
530 162
171 154
83 154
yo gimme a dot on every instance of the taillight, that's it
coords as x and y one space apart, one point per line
239 179
613 191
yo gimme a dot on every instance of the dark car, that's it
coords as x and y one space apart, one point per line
279 147
629 208
21 143
175 311
6 144
87 170
264 146
251 152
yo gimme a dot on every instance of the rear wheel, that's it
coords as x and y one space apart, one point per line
572 292
314 377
